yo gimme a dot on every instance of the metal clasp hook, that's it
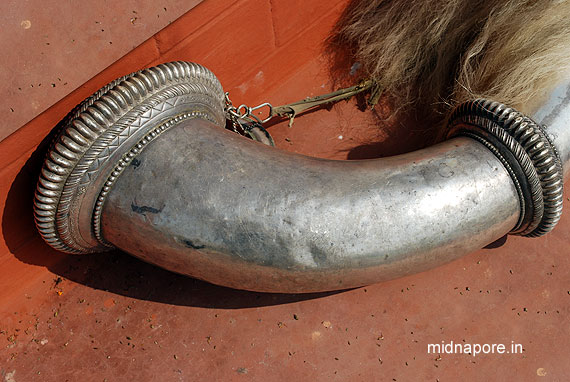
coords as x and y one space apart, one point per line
245 111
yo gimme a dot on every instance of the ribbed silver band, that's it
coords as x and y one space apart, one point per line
528 154
100 133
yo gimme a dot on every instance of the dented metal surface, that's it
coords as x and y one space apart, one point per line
199 200
264 219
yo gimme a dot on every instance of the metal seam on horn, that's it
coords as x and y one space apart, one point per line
127 159
521 191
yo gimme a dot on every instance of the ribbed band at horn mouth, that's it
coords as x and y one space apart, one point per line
98 134
528 154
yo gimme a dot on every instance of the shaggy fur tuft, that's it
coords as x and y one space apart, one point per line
436 53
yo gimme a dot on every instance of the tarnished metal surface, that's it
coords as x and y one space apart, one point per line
205 202
97 135
162 181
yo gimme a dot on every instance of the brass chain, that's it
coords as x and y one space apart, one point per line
291 110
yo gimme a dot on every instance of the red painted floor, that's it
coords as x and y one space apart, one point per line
51 47
112 317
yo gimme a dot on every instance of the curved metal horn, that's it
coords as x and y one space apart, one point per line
144 166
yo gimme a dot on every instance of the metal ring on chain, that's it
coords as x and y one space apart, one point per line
528 154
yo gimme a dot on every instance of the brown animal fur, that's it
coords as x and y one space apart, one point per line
437 53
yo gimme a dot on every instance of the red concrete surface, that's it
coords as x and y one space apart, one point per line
52 47
110 317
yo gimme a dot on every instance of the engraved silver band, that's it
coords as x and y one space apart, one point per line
98 134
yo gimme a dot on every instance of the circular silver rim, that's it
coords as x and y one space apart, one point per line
533 150
99 134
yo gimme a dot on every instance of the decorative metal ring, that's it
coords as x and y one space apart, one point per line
527 152
101 132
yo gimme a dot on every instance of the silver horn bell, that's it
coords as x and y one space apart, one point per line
146 166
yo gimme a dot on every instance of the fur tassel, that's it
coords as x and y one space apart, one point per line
434 54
